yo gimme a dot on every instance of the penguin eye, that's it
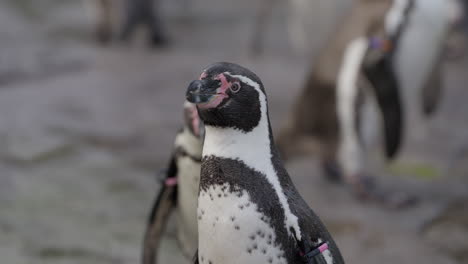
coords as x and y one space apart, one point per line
235 87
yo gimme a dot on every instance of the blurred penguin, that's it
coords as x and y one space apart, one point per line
309 23
383 51
419 58
121 18
326 117
179 190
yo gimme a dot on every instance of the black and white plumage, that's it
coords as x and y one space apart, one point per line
384 54
353 69
418 60
248 208
179 190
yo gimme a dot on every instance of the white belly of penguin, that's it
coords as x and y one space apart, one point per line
232 230
189 178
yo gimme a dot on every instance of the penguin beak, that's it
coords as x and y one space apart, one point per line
207 93
201 91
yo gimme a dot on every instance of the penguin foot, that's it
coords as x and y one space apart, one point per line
366 189
158 39
332 171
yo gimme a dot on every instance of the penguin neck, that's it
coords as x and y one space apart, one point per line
254 148
191 144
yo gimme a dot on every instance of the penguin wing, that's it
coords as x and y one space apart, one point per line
314 234
165 201
384 81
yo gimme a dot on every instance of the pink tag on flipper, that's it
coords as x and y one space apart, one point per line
171 181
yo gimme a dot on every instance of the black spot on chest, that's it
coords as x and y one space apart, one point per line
241 178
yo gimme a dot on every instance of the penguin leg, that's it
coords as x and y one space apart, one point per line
151 19
260 25
132 18
104 21
331 170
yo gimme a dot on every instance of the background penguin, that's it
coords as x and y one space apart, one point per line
363 63
326 116
122 17
248 208
418 61
179 189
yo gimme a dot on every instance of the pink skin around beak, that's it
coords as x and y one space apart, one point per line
220 92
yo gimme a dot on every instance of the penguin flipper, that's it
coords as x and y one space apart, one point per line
162 207
384 81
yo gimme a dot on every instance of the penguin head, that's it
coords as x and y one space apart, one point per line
228 96
192 120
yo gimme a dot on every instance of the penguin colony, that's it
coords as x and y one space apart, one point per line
179 190
246 195
361 61
332 87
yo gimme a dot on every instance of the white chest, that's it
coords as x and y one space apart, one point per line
232 230
189 179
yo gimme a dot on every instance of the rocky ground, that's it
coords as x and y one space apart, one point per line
84 128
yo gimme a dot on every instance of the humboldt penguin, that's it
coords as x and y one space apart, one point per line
179 190
418 60
326 118
120 19
249 211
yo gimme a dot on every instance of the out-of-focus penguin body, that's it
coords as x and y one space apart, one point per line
248 208
120 18
326 115
418 61
387 51
179 190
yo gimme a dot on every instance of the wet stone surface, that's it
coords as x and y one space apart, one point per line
83 130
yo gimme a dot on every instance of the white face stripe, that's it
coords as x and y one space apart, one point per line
252 148
396 15
350 153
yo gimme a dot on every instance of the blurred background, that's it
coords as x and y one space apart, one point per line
85 126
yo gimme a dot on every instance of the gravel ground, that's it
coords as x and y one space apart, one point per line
83 129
